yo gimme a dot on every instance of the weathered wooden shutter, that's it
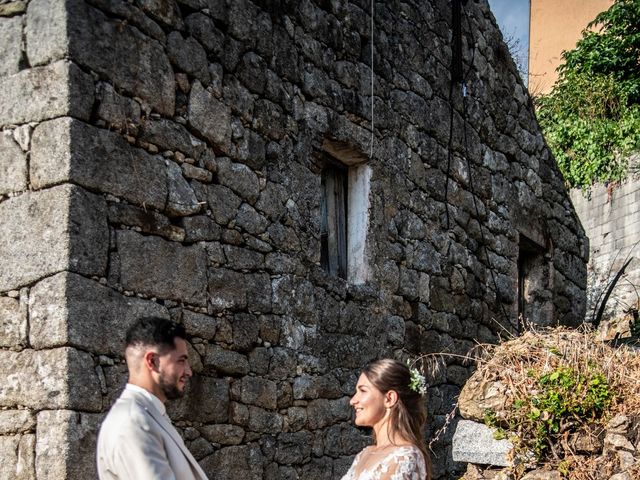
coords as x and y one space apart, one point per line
333 228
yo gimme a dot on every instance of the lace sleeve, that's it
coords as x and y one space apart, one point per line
407 464
350 475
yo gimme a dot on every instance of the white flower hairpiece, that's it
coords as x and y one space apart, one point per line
417 383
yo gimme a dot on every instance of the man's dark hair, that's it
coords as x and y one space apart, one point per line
155 331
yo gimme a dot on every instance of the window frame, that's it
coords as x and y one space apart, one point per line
350 237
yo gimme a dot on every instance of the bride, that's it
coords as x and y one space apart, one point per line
389 399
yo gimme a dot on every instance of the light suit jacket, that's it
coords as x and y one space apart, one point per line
137 442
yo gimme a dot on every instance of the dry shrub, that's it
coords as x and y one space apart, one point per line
521 362
545 350
591 468
597 468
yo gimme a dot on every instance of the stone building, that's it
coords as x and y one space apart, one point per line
225 164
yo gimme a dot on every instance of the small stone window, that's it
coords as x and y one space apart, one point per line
344 213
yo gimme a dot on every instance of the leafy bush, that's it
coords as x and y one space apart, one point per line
564 398
591 118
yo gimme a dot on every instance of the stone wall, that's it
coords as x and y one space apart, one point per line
165 157
611 220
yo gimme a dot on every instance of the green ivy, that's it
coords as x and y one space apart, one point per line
491 420
591 118
564 399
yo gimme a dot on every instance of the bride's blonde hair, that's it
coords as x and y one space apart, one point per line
407 418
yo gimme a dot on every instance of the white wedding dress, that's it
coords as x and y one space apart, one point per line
394 463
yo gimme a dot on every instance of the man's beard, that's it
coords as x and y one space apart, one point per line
170 389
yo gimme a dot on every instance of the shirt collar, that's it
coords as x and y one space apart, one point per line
155 401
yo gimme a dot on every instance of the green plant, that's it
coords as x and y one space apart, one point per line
491 420
591 118
563 384
563 400
564 468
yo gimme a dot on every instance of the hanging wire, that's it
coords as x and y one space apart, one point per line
449 156
372 99
464 92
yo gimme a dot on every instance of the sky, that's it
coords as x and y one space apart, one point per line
513 19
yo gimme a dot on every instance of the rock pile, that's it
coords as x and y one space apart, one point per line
602 447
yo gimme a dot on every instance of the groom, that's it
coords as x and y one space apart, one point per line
137 440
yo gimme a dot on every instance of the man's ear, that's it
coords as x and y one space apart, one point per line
390 398
151 361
